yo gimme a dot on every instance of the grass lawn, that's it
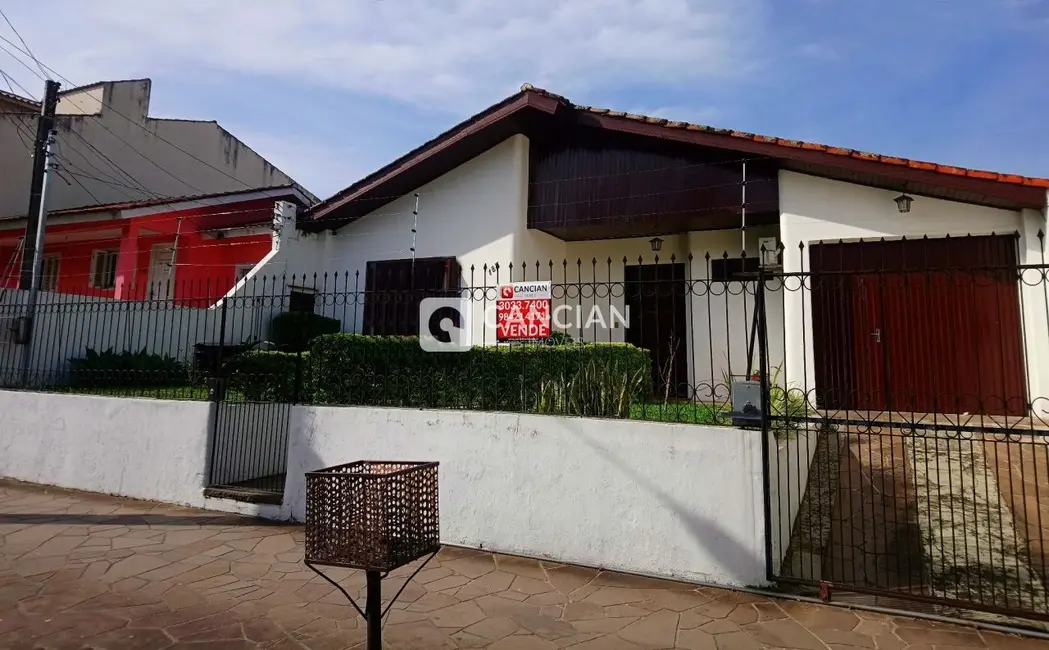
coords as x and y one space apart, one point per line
681 412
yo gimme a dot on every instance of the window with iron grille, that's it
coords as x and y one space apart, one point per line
394 289
49 273
103 269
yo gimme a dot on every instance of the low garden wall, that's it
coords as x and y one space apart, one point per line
142 448
659 499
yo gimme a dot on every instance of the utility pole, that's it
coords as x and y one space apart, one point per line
34 240
32 255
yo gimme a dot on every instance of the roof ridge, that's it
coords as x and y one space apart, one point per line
1016 179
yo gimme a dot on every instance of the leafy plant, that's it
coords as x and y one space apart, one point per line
595 390
292 331
126 369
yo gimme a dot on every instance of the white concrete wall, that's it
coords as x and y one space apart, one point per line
127 143
814 209
140 448
1034 304
667 500
67 325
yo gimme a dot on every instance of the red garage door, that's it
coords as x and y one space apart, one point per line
928 326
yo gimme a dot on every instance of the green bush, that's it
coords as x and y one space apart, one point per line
269 376
292 331
394 371
127 368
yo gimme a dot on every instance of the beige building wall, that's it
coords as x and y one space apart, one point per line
111 150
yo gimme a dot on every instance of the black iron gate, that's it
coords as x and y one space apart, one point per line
249 453
249 442
893 473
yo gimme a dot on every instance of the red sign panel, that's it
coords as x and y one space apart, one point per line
522 311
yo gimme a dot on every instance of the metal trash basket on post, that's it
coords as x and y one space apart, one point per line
372 515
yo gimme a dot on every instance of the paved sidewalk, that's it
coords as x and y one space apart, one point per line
85 571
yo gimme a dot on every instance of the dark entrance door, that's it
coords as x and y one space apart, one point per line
655 296
929 326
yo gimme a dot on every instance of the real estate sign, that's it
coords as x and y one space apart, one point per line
522 311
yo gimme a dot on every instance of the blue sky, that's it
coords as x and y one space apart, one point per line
329 90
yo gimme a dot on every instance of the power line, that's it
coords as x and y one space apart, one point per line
135 122
20 61
24 44
125 142
11 78
8 80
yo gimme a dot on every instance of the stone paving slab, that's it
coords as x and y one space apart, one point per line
84 571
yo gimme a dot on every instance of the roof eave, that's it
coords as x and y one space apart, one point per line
526 99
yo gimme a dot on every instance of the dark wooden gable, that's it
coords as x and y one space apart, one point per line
588 184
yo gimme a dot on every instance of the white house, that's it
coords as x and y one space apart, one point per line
109 149
535 187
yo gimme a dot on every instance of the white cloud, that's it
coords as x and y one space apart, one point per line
447 54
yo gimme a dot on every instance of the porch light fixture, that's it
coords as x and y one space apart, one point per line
903 203
657 244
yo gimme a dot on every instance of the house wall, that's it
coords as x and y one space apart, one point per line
205 266
140 448
122 148
816 209
475 212
667 500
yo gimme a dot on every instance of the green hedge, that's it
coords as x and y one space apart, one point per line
292 331
270 376
576 379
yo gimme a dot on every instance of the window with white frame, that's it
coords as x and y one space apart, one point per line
104 269
49 273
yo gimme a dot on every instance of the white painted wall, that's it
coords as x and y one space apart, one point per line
68 325
139 448
1034 304
667 500
476 213
814 209
721 314
127 137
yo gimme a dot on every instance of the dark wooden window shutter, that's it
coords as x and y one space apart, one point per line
394 289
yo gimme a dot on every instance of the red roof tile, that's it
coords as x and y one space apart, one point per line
813 146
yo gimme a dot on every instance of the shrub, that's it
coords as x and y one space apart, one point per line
125 369
395 371
596 389
268 376
292 331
